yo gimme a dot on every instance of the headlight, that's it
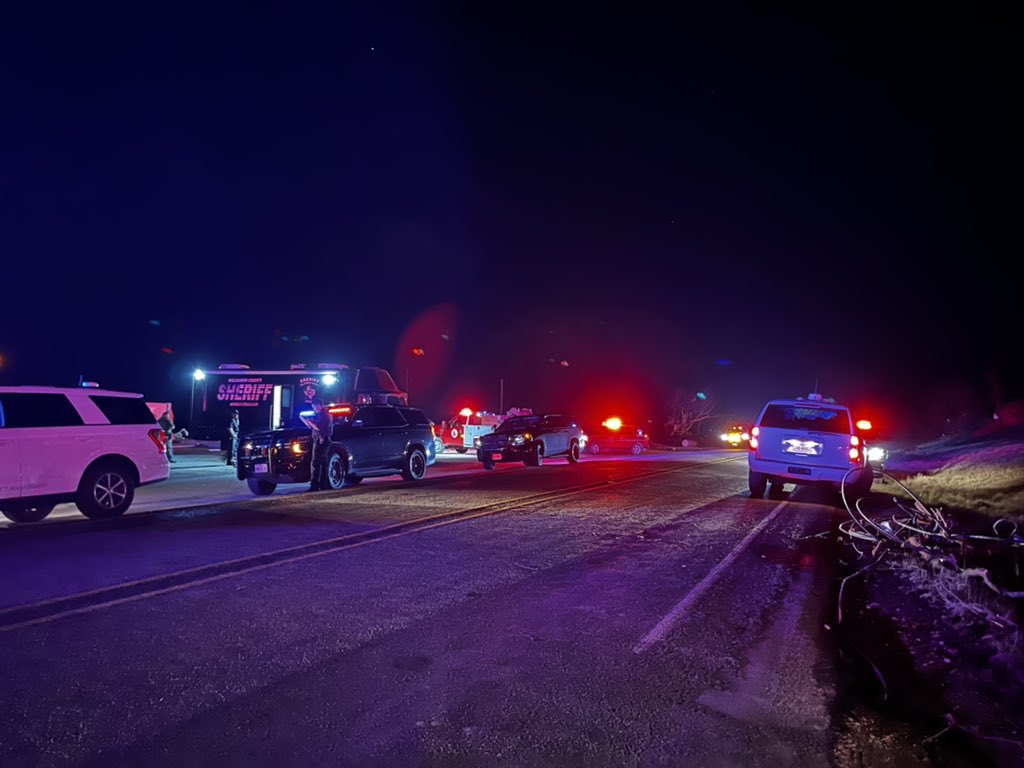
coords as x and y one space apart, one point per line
519 440
876 454
476 442
296 447
724 437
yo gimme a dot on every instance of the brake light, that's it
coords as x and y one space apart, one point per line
854 455
854 440
157 436
753 438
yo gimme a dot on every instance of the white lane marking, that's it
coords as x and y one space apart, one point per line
511 505
669 619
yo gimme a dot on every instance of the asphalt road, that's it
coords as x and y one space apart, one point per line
624 611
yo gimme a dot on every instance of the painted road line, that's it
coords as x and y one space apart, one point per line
678 612
50 610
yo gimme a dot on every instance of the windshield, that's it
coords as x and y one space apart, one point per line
836 420
519 424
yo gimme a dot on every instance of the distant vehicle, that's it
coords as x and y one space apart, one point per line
531 439
736 436
270 399
460 431
90 446
366 441
613 435
806 441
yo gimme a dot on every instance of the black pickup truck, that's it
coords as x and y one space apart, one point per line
366 441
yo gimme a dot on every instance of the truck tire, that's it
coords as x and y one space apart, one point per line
415 465
574 452
336 471
461 449
107 490
260 487
27 513
536 457
636 449
594 448
757 482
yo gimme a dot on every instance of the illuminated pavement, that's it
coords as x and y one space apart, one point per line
623 611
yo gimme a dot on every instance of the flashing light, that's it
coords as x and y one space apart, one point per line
614 423
417 352
466 412
701 396
307 414
876 454
864 425
90 384
296 447
746 435
329 379
199 374
339 410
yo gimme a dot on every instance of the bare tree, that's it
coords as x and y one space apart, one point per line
689 409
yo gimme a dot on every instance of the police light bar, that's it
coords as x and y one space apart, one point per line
339 410
91 384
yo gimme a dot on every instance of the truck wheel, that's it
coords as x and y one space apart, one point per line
27 514
536 457
574 452
636 449
106 491
594 448
461 449
415 466
757 483
335 471
261 487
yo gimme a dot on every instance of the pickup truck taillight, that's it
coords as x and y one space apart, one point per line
157 436
752 443
855 457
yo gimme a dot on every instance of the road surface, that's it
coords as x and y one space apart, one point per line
624 611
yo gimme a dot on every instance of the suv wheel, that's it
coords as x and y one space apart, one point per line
261 487
757 483
594 448
106 491
415 466
636 449
536 457
574 452
335 471
27 514
461 449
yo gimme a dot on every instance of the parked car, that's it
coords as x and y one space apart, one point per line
366 441
90 446
531 439
806 441
613 435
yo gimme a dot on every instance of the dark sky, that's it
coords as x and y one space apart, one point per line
645 195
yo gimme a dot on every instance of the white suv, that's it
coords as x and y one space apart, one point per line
804 442
89 446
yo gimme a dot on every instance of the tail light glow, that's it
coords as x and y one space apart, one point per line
854 455
157 436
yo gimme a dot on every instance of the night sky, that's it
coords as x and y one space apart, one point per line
724 201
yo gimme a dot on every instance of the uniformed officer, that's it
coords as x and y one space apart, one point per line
320 422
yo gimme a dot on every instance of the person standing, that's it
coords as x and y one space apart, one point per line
166 423
233 431
321 423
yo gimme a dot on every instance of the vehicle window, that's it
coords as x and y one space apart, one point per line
554 422
836 420
518 424
124 410
366 416
416 417
21 410
389 417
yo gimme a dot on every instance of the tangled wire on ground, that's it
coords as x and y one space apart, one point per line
918 529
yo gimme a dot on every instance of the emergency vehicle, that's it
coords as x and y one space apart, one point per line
273 399
461 430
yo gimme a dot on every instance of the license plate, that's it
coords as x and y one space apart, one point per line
798 470
495 455
260 469
802 447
